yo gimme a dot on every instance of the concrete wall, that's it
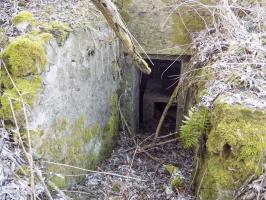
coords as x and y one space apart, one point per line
69 80
162 27
130 94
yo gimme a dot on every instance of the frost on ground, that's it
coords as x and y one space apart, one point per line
235 52
148 166
13 182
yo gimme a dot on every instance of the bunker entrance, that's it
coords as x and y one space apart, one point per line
155 91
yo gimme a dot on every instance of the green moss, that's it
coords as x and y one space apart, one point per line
59 181
37 35
23 16
27 88
116 187
23 170
235 150
24 57
92 132
170 169
186 21
176 182
234 125
180 34
123 6
60 31
93 159
110 132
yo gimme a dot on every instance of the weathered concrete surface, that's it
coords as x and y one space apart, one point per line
77 101
130 94
77 82
160 26
69 80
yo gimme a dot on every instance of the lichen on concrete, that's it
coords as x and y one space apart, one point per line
76 144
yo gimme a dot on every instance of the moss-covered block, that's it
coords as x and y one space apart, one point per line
28 90
235 150
59 30
23 16
24 57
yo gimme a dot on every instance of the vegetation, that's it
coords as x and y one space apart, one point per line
24 57
193 126
23 16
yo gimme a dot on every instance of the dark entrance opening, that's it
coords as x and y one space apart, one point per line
155 91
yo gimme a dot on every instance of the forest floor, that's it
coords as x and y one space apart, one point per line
146 160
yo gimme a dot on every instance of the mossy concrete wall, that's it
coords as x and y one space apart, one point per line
68 80
229 143
162 27
75 113
235 151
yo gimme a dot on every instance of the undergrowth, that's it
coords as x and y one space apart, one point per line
194 124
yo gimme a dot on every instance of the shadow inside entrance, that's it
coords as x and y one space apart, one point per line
155 91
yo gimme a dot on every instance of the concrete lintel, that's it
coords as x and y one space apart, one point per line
167 57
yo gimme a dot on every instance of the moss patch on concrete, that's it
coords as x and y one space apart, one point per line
110 131
78 145
122 6
25 56
59 30
235 150
28 90
186 20
25 59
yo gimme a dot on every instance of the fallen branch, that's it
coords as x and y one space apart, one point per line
170 102
109 11
93 171
29 154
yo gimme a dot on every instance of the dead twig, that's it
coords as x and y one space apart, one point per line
170 102
29 155
92 171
